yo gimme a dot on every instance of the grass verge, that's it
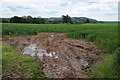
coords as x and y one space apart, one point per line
109 67
15 65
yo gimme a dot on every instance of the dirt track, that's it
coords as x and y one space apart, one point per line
61 57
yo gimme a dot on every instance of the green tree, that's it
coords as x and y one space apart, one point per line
29 19
67 19
38 20
87 21
16 19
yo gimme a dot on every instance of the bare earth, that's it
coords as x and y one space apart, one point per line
61 57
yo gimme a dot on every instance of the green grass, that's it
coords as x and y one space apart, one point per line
104 34
22 66
109 67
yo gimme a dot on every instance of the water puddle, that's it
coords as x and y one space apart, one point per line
30 50
33 50
83 62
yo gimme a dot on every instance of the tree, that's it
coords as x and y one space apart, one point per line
29 19
38 20
66 19
24 19
87 21
16 19
4 20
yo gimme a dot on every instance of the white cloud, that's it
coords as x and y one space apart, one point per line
100 9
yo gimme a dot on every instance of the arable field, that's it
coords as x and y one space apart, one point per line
105 35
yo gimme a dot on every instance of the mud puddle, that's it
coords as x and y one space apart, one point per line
61 57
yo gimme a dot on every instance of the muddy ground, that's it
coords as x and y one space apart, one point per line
61 57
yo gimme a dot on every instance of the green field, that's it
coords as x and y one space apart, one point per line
104 34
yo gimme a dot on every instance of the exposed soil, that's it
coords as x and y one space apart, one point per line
61 57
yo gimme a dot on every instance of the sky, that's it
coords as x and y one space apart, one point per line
102 10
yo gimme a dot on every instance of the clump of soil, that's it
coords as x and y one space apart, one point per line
61 57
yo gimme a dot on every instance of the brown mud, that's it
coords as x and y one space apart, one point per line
61 57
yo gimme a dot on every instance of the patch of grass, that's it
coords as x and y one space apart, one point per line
18 65
109 67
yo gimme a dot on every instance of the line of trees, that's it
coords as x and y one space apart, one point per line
65 19
27 19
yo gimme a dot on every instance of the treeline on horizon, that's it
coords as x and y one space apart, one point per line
25 19
65 19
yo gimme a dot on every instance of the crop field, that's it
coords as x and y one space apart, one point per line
105 35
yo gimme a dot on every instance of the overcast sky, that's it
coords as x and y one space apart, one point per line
97 9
